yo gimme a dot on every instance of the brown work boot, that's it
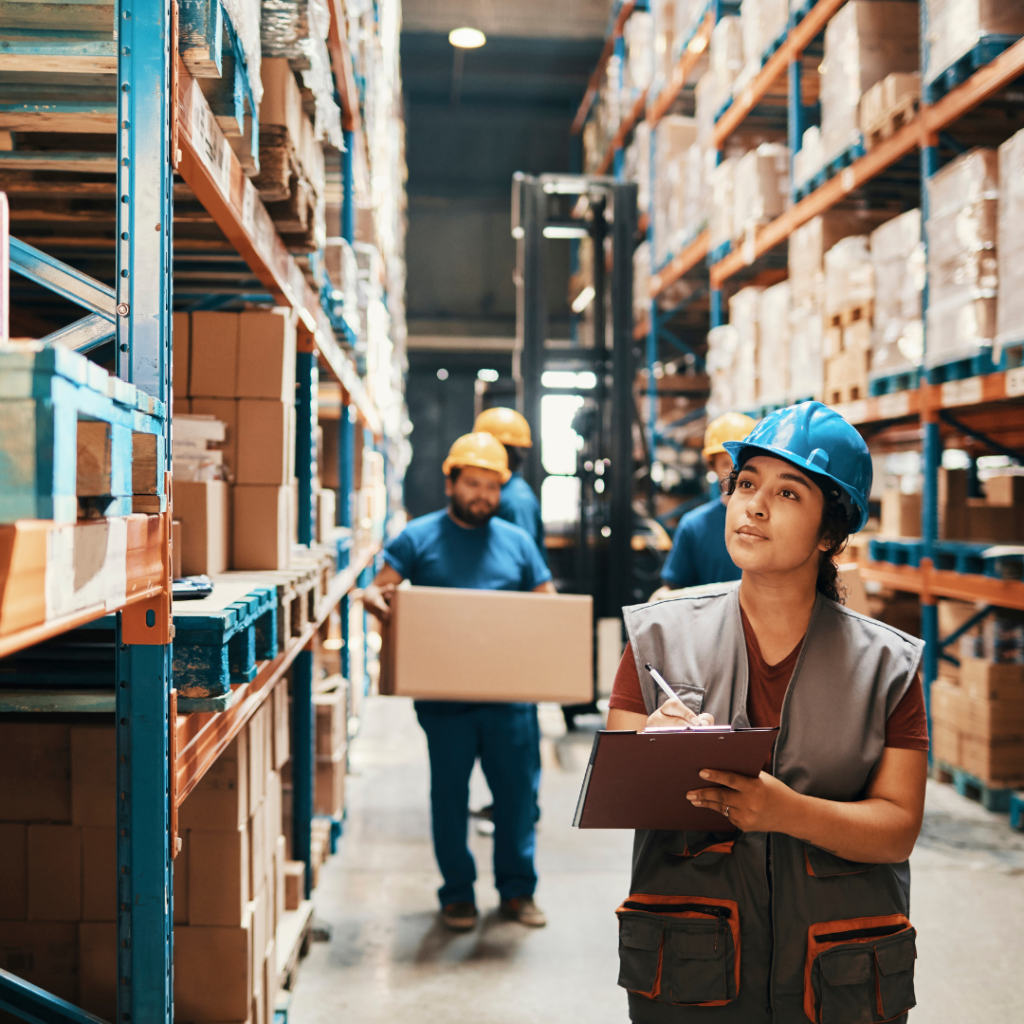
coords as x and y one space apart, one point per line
460 917
523 909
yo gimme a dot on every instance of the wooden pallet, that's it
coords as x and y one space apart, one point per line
851 314
892 120
993 796
292 942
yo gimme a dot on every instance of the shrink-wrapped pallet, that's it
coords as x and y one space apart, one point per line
761 190
762 21
962 270
637 164
864 42
664 15
810 158
722 216
957 26
688 15
745 316
773 345
721 362
641 281
673 139
638 36
1010 300
704 98
805 353
897 336
726 60
849 277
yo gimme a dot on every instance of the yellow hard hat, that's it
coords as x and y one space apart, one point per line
733 426
478 449
508 426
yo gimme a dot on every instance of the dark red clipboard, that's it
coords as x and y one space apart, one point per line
639 780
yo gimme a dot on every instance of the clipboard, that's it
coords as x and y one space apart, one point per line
639 780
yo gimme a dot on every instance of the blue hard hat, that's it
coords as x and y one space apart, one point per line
816 438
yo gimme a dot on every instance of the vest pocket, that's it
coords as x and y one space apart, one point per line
691 696
859 971
680 949
822 864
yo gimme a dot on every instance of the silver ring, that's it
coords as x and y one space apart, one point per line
727 810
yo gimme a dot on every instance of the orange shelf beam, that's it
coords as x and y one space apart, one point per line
594 85
341 63
930 582
1007 67
792 49
696 252
202 737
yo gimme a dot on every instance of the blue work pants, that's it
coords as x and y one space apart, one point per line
506 738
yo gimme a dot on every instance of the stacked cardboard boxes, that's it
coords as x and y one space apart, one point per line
239 369
331 706
1010 298
849 300
996 516
897 336
955 26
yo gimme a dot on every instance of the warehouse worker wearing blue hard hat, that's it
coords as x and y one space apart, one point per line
466 545
519 504
698 552
809 872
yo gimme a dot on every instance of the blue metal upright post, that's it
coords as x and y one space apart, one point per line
348 202
306 380
144 223
618 157
302 762
717 308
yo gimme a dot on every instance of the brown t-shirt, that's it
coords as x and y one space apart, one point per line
906 728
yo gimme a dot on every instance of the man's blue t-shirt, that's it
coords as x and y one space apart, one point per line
519 505
434 551
699 554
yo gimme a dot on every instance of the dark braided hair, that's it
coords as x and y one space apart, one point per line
835 527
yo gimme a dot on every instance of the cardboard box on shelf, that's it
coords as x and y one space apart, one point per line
280 861
428 623
43 953
952 500
953 615
35 765
260 936
261 527
266 434
272 820
180 345
176 549
987 680
282 727
97 967
331 722
54 873
94 776
266 355
13 871
213 972
99 874
202 508
213 364
224 410
294 884
901 514
219 883
326 510
221 797
256 741
1005 491
329 796
257 850
270 978
990 522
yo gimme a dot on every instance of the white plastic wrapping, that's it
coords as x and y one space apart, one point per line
962 267
897 335
849 275
745 316
806 373
1010 300
674 137
773 342
864 42
761 190
723 207
638 36
955 26
722 355
244 16
726 59
641 281
810 158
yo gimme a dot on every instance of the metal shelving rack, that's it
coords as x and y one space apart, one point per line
986 399
164 124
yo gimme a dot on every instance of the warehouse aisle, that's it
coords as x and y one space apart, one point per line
390 962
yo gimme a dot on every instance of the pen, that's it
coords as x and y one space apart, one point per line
657 677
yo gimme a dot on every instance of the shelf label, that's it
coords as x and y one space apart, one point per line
248 205
1015 382
961 392
893 406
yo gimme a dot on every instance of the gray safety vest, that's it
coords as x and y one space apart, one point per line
763 926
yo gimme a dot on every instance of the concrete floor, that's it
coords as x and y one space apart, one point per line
390 961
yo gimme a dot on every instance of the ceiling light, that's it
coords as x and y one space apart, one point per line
584 299
565 231
489 376
467 38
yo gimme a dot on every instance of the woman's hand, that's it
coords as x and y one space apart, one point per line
752 805
674 714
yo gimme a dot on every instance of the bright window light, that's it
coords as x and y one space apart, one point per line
467 38
560 499
558 439
565 379
584 299
565 231
488 375
586 380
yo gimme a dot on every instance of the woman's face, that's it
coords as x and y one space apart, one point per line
773 518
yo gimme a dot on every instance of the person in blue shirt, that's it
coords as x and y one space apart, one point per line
519 504
466 545
698 554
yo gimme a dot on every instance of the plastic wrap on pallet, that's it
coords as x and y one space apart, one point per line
806 372
297 29
688 15
955 27
664 30
244 16
773 345
864 42
723 206
849 275
763 21
637 165
673 139
722 356
744 315
726 59
897 334
1010 300
761 191
638 36
641 280
810 158
962 257
704 108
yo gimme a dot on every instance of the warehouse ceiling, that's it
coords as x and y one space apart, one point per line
474 118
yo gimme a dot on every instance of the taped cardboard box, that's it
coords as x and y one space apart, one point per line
454 644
